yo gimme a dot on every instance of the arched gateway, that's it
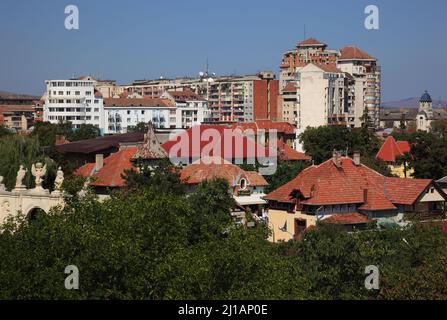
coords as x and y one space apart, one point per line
29 201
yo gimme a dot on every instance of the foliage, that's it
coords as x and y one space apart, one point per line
285 172
160 174
19 150
46 132
428 153
142 127
4 131
320 142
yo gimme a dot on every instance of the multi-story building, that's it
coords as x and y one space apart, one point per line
230 98
357 86
191 109
367 88
322 96
17 117
121 114
74 100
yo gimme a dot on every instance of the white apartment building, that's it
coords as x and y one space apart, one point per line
322 97
75 101
367 88
121 114
191 109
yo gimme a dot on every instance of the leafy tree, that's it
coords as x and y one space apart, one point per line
4 131
285 172
439 128
161 174
84 132
22 150
140 127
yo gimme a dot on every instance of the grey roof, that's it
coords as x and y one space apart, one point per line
426 97
396 114
442 180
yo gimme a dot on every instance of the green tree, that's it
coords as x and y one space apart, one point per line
84 132
22 150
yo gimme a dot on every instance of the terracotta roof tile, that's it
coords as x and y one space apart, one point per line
197 173
328 184
347 218
354 53
391 149
146 102
111 173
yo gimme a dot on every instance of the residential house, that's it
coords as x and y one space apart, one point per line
391 151
344 191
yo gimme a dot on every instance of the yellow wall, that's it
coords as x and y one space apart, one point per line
277 219
399 171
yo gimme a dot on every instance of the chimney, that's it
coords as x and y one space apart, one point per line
99 162
336 158
356 158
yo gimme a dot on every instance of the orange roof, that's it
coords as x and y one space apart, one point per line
347 218
287 153
354 53
280 127
310 43
211 140
16 107
146 102
332 68
391 149
197 173
328 184
111 173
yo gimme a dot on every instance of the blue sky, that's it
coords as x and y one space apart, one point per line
136 39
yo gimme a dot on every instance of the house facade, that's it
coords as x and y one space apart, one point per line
343 191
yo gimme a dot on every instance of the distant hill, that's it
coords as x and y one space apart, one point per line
412 103
10 95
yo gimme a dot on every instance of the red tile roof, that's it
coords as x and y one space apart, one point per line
347 218
16 108
354 53
331 68
328 184
146 102
310 42
199 141
391 149
279 126
111 173
197 173
287 153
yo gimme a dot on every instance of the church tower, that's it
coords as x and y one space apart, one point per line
425 103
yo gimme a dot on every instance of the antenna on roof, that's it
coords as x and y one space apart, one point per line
304 32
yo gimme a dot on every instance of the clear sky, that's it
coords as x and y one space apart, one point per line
136 39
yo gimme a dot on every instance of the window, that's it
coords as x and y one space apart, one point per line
243 184
96 101
88 93
77 93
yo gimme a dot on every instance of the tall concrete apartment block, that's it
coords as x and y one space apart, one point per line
74 100
319 86
230 98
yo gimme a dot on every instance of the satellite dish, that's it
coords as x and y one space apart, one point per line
201 74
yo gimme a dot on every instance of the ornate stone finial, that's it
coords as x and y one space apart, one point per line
20 176
38 171
59 180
